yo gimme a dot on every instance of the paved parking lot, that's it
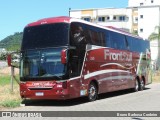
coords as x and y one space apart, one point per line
147 100
3 64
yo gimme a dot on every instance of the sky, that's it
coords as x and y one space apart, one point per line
16 14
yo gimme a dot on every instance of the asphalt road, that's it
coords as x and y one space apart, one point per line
146 100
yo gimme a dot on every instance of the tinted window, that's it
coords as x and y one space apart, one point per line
116 40
45 63
107 39
129 40
43 36
77 35
78 39
82 34
137 45
97 37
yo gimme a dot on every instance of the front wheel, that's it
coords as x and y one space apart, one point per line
92 92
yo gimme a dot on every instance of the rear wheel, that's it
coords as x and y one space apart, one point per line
142 85
136 88
92 92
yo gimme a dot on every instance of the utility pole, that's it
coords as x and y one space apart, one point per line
12 74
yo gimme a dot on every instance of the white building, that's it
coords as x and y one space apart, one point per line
148 17
106 16
141 17
135 3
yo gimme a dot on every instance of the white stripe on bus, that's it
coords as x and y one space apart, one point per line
103 72
117 65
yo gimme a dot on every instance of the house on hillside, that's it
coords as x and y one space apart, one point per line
2 50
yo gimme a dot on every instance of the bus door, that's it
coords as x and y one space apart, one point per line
76 55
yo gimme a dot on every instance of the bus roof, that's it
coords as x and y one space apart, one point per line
70 19
123 31
50 20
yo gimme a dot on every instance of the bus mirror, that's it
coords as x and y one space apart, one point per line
13 59
9 60
64 56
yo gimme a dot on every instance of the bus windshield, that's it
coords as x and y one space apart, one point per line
45 36
42 63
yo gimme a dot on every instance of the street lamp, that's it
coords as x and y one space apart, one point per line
69 11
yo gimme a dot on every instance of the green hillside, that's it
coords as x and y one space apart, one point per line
12 42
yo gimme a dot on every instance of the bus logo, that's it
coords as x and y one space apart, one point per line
121 56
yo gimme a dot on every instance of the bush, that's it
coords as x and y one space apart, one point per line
3 56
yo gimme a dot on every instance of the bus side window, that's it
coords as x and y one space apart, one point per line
87 36
77 35
101 38
122 42
108 41
113 39
129 41
93 37
127 44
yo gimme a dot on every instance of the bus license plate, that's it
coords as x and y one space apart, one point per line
39 94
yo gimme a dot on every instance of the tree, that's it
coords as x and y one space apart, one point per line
12 42
156 36
135 32
3 56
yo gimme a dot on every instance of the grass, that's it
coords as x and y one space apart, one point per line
10 103
4 80
8 98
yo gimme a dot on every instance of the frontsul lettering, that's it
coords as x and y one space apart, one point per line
122 56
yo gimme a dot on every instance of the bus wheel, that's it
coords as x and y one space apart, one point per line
92 92
142 85
23 103
136 88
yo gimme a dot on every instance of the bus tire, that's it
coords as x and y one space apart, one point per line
92 92
142 85
23 103
136 88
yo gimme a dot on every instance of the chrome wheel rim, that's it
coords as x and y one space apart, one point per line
92 92
142 84
136 87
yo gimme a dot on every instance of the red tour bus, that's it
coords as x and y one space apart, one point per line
64 58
